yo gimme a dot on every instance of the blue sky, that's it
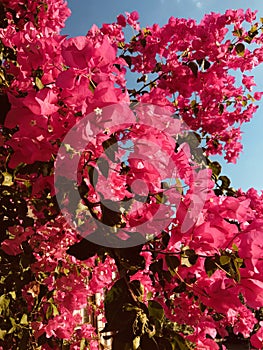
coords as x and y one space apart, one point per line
248 172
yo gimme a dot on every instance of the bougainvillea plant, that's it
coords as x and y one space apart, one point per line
109 191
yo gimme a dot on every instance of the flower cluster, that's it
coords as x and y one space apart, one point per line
132 198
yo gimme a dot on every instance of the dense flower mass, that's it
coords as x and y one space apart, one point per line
138 214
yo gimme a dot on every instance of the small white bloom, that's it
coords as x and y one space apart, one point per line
98 111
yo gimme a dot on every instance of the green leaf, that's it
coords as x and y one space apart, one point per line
248 39
24 320
110 146
93 175
224 260
164 344
155 310
180 343
128 59
13 295
160 198
136 343
172 262
2 334
148 343
142 79
8 179
194 68
143 42
49 312
225 182
235 247
137 288
203 64
221 108
120 344
55 310
193 139
206 64
130 307
165 238
240 49
210 266
39 83
216 168
103 166
82 345
117 318
180 288
238 32
4 304
192 256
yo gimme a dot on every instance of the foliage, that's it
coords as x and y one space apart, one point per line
188 283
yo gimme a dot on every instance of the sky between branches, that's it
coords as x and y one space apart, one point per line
248 172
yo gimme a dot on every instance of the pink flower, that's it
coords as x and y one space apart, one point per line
257 338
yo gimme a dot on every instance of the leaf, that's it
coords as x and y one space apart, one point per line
103 166
130 307
93 175
180 343
148 343
188 257
172 262
164 344
221 108
110 146
238 32
206 64
194 68
8 179
193 139
137 288
84 249
111 214
142 79
128 59
4 304
49 312
224 260
39 83
225 182
23 320
2 334
115 299
216 168
235 247
160 198
240 49
82 345
5 107
180 288
156 310
210 266
248 39
136 343
143 42
119 344
165 238
55 310
13 294
157 266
